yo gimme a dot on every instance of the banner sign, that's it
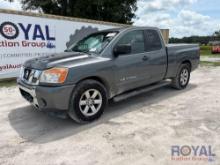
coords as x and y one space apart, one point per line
24 37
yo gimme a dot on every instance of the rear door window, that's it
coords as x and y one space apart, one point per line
153 41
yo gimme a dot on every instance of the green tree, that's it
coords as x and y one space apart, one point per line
192 39
121 11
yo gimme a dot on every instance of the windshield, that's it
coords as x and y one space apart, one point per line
93 43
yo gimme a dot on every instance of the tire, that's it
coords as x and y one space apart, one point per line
84 105
182 78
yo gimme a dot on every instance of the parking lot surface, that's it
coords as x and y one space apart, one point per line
140 130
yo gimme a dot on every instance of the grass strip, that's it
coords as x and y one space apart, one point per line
7 83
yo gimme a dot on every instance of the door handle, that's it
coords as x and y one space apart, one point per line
145 58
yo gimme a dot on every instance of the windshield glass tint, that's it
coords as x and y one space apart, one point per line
94 43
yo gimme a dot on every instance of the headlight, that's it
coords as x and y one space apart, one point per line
54 75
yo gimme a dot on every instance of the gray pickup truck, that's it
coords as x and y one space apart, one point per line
111 64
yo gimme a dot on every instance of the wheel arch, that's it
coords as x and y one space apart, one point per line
100 80
187 62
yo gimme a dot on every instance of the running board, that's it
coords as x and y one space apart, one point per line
140 90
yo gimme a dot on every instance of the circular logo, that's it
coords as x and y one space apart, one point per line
185 150
9 30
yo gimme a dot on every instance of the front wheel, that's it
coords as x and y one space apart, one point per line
88 101
182 78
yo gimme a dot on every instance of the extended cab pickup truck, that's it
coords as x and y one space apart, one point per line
111 64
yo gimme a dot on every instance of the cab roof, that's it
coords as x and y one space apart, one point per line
128 28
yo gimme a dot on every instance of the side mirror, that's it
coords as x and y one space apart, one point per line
122 49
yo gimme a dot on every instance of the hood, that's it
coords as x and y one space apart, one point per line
58 60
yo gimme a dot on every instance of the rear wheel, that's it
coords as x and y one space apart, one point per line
182 78
88 101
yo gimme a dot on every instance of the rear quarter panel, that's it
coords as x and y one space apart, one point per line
179 53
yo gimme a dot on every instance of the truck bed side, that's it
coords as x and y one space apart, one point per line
180 53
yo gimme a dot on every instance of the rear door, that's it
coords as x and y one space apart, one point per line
156 56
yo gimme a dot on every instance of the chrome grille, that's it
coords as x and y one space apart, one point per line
30 76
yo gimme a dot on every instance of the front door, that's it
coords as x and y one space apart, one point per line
131 69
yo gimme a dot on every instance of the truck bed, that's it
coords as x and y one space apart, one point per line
170 46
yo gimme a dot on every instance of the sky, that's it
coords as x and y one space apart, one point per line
182 17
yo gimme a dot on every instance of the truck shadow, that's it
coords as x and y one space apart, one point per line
37 127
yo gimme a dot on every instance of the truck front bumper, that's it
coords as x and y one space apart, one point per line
47 98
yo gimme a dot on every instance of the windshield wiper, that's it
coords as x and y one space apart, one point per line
86 52
80 51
